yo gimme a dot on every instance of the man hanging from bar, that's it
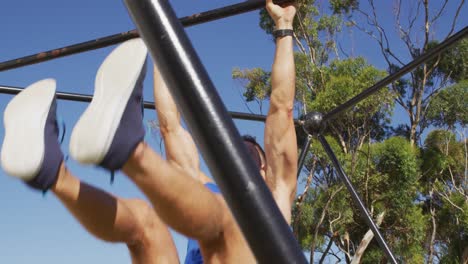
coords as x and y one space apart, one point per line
110 134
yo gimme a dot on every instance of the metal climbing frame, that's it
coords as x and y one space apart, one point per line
315 123
155 19
241 184
187 21
147 105
246 193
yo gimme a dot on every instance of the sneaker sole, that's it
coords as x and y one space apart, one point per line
24 119
93 134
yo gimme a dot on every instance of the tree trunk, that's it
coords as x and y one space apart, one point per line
412 138
430 259
366 241
317 227
465 255
322 217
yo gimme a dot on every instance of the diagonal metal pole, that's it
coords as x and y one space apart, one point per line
304 151
102 42
244 190
357 201
430 54
147 105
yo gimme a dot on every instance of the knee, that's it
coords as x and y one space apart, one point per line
147 225
135 164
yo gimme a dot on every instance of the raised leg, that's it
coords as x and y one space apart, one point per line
113 219
180 200
30 152
110 134
178 143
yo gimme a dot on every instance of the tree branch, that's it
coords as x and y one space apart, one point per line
366 241
457 13
437 16
319 223
448 200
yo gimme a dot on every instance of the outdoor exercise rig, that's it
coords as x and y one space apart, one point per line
247 195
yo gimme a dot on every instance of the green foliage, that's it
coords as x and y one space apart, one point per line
386 176
256 83
310 215
453 225
343 6
406 239
442 156
315 33
448 258
453 63
390 174
450 106
320 153
343 80
398 159
373 255
411 236
444 174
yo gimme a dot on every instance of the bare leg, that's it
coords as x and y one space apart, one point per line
178 143
113 219
190 203
180 200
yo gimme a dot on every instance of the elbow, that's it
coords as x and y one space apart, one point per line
284 110
169 128
281 102
169 122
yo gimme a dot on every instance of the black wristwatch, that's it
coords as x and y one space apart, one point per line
279 33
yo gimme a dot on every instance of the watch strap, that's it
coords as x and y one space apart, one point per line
279 33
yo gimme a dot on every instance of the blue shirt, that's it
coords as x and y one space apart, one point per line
193 249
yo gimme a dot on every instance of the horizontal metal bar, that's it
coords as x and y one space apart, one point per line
187 21
148 105
430 54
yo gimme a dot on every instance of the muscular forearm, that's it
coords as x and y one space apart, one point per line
283 71
283 75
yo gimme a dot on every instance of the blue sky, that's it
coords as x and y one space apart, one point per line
39 229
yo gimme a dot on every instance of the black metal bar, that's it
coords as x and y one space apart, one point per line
248 116
187 21
148 105
357 201
304 151
430 54
244 190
